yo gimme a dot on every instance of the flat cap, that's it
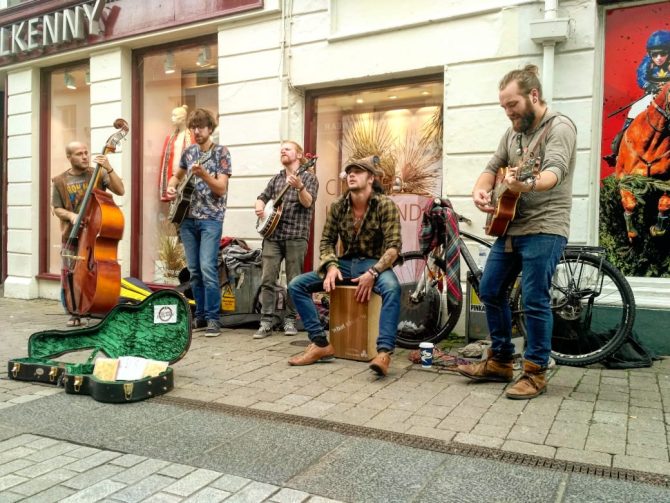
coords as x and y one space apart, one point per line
370 163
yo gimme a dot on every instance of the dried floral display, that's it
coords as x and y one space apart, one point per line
368 134
410 166
170 250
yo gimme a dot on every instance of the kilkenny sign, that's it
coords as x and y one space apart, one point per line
52 29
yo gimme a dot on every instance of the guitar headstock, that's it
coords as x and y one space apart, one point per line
310 162
528 168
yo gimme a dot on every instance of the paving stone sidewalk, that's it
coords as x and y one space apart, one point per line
612 418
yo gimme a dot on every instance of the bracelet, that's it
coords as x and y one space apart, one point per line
374 272
110 171
301 188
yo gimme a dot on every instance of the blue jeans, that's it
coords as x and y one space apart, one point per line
301 289
536 257
201 240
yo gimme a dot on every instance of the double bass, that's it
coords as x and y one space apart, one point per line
91 273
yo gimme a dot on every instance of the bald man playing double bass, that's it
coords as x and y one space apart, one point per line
69 187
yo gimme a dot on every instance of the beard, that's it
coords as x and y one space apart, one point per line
525 121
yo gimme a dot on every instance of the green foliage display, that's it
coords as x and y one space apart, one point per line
647 256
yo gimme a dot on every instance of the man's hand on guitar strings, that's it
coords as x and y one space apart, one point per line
482 200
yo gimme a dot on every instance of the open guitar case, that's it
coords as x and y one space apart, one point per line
157 328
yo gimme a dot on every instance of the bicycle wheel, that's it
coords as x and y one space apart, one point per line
425 313
593 309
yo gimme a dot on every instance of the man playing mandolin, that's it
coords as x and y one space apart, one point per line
201 229
69 187
288 241
534 240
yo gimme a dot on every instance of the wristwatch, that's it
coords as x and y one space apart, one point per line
374 272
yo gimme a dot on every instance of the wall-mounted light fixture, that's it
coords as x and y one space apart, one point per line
69 81
204 58
169 66
87 78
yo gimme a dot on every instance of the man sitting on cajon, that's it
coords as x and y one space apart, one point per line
368 224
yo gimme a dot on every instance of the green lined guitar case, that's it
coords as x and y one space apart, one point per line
158 328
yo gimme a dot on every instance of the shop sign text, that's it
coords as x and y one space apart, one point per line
52 29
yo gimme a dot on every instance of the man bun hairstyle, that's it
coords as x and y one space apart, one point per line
527 78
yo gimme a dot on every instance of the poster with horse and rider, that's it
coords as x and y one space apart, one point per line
635 143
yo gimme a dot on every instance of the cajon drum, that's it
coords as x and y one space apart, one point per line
354 326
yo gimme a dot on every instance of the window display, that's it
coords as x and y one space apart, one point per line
174 82
402 124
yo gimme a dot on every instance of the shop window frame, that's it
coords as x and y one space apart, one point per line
45 166
137 118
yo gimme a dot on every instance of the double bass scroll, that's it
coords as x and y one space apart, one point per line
91 272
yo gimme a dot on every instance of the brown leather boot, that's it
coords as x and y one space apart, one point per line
532 383
380 363
494 368
313 354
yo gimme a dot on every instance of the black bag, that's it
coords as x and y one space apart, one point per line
631 355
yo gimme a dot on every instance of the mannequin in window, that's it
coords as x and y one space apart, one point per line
180 138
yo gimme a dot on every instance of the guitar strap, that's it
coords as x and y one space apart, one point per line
538 142
540 139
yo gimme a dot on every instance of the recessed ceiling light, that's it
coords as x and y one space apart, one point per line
360 100
393 97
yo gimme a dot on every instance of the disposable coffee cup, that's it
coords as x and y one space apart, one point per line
426 352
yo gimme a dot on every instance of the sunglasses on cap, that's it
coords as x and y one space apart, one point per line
655 54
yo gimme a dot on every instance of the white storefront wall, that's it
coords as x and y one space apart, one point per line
269 58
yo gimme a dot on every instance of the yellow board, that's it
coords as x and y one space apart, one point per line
227 299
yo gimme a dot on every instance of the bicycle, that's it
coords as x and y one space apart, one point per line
592 303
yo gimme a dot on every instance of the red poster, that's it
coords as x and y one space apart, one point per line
635 143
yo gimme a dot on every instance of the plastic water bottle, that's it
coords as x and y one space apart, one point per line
483 255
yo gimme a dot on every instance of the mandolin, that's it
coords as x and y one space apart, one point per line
268 222
504 200
182 202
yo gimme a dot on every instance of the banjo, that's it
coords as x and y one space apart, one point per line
268 222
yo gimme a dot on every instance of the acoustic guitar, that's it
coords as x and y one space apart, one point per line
267 223
182 202
505 200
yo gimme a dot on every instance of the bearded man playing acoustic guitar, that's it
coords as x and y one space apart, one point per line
534 240
288 241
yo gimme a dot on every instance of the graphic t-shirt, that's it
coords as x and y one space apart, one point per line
205 205
75 187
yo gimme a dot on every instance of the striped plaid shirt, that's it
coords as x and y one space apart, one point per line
379 231
295 218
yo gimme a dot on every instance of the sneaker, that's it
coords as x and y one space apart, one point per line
289 327
264 330
198 324
213 329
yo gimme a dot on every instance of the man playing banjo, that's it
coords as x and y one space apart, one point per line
288 240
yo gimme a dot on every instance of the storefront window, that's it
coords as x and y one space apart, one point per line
174 82
402 124
69 120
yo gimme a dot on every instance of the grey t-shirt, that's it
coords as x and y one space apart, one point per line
545 212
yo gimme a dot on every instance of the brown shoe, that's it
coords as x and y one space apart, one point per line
380 363
532 383
494 368
313 354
